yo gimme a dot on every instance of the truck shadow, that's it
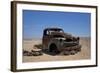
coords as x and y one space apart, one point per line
50 53
65 53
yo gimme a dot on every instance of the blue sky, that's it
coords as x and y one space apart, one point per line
75 23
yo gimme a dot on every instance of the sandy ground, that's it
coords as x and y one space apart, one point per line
84 54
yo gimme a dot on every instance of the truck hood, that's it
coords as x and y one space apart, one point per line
64 35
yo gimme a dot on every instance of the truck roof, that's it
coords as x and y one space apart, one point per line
52 29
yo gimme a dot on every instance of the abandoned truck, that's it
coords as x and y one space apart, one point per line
57 41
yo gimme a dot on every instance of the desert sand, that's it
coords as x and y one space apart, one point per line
85 52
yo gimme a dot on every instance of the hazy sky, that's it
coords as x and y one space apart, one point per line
75 23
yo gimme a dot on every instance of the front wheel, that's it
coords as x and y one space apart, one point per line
53 49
